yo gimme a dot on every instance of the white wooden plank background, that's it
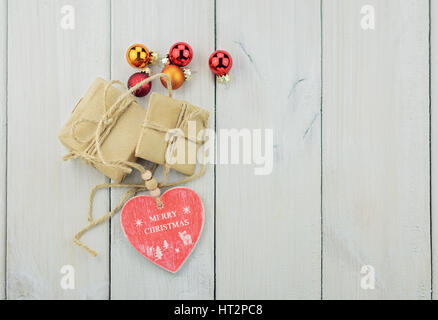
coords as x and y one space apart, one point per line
49 69
434 138
137 21
3 75
263 235
268 227
376 150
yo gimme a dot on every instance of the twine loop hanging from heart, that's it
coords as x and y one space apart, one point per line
93 153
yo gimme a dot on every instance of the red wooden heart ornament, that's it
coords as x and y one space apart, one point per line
167 235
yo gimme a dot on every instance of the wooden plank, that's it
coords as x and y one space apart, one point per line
159 24
268 226
434 139
50 68
3 101
376 150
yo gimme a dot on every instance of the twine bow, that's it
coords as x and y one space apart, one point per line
172 137
93 153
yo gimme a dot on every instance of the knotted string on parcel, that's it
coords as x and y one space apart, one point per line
93 154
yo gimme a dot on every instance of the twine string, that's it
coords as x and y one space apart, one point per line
92 154
104 127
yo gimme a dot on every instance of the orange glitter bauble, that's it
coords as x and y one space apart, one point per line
175 74
138 56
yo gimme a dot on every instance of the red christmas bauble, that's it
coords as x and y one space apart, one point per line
220 62
144 88
180 54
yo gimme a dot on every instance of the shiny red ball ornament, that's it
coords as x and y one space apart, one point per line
220 62
144 88
180 54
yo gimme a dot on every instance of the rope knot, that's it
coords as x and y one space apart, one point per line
91 152
108 121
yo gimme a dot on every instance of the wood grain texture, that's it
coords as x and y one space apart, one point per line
375 142
3 101
49 70
376 150
268 226
434 142
158 25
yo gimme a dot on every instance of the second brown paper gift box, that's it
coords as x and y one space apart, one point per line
163 114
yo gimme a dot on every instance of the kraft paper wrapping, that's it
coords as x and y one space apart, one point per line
164 112
121 142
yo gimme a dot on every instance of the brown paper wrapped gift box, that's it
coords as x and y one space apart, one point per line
119 144
166 113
